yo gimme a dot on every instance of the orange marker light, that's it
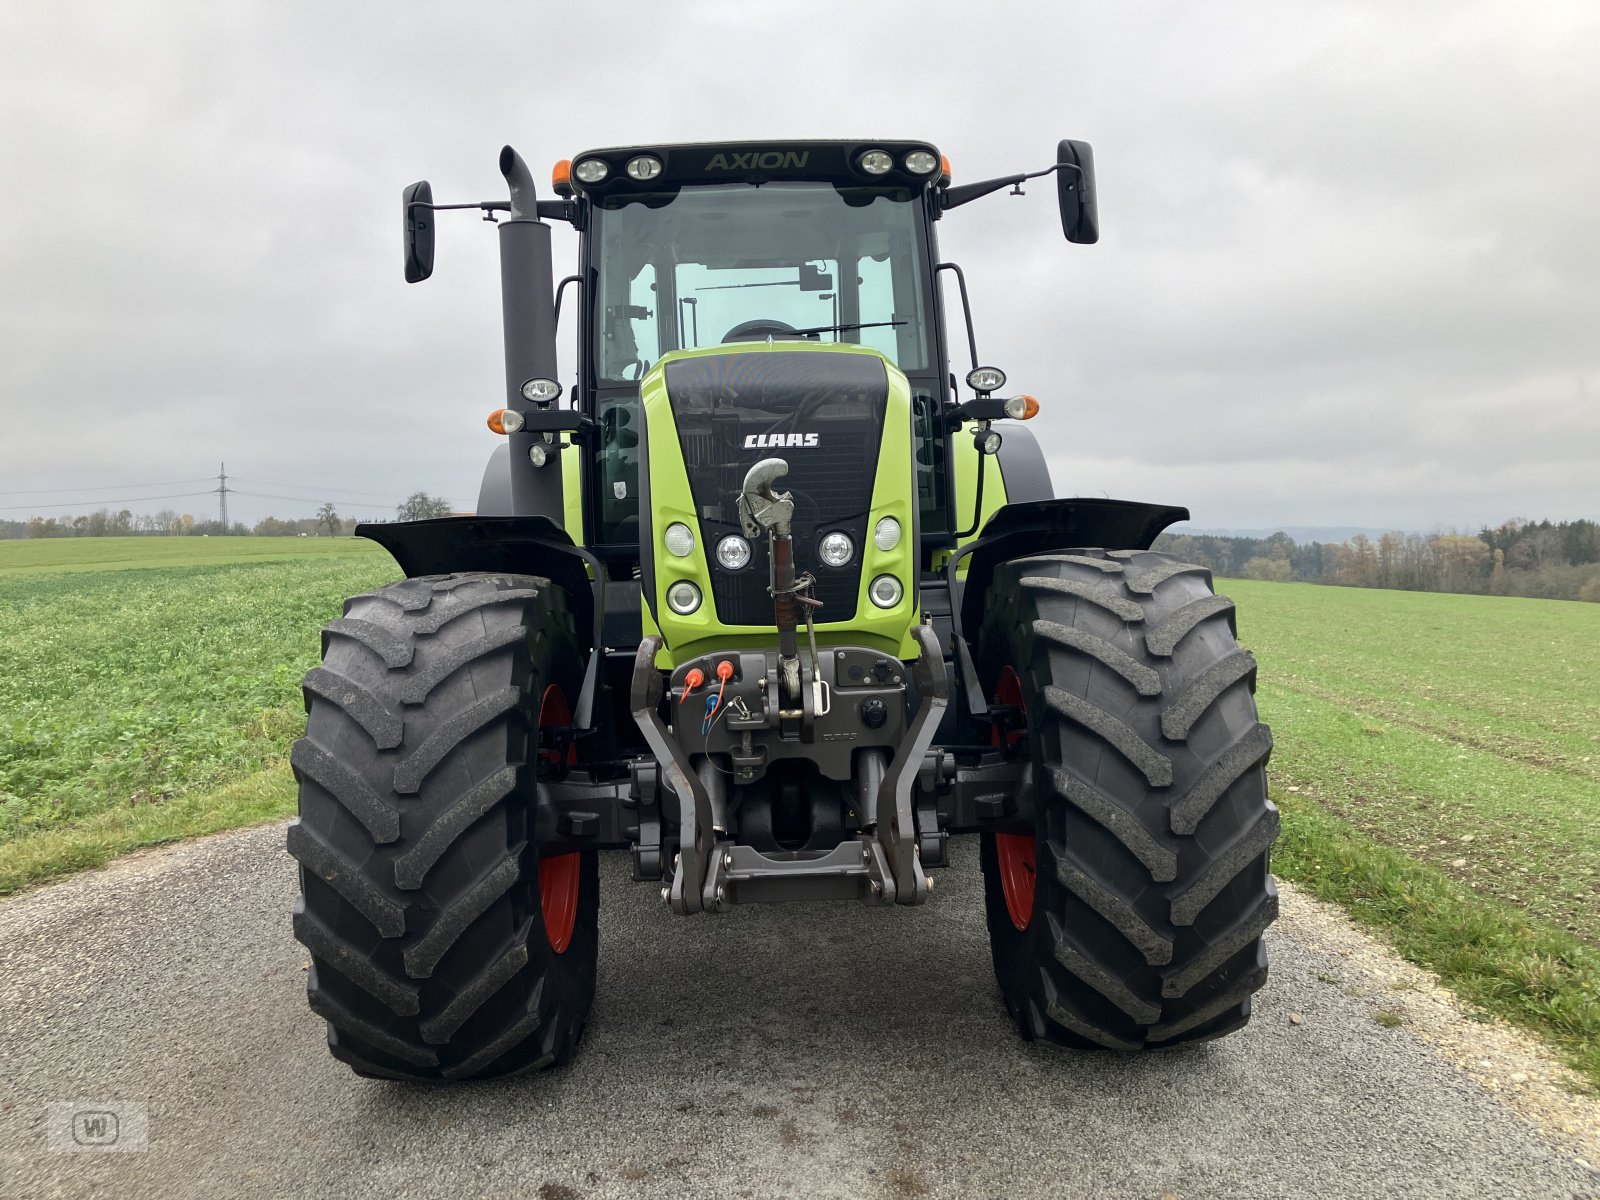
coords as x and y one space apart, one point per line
1030 408
505 420
945 173
561 178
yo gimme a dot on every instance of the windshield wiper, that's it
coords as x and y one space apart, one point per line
728 287
846 328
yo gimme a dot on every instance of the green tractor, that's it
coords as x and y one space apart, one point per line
768 606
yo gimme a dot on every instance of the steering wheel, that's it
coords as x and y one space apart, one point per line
756 331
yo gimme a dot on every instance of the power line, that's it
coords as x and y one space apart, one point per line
311 500
222 491
118 487
82 503
347 495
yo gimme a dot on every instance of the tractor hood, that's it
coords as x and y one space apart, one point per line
839 416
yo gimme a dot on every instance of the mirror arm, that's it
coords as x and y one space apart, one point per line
956 196
556 210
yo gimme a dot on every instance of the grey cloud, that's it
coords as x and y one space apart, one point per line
1348 273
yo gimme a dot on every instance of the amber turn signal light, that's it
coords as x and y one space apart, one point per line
505 420
561 178
1022 408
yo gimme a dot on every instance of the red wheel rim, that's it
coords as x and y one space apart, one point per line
558 874
1015 851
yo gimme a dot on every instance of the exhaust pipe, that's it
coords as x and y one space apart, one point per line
528 307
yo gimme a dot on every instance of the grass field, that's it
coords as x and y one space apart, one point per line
1438 764
143 705
1438 757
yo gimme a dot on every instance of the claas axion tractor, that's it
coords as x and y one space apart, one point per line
764 602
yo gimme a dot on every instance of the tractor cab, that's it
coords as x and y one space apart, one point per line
825 243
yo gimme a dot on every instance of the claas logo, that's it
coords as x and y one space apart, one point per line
778 441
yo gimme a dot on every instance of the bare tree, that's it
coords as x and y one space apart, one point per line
329 516
420 506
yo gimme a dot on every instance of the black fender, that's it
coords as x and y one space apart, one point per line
1041 527
510 546
494 493
1022 466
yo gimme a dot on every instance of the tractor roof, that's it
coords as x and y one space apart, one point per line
831 161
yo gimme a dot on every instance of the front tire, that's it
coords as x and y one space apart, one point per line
442 946
1131 916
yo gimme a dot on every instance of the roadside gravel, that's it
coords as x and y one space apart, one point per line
792 1051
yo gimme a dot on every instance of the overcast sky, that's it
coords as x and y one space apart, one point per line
1349 271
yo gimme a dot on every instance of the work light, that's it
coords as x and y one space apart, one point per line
644 167
920 162
591 170
986 379
540 391
875 162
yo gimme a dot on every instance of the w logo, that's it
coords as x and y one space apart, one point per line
97 1127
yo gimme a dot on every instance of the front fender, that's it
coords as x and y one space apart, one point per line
1044 526
504 545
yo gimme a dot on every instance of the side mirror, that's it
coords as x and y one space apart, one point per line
1075 192
417 210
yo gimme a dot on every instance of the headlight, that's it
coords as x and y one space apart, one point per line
836 548
986 379
886 591
591 170
920 162
538 454
733 552
887 534
679 539
643 168
683 597
988 442
876 162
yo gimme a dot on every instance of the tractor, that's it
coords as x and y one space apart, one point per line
769 603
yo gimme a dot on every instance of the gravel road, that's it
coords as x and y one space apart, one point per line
793 1051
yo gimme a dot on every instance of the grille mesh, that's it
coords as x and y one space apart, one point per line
720 401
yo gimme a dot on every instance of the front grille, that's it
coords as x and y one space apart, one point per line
836 400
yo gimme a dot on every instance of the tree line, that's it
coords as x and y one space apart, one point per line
1550 560
169 523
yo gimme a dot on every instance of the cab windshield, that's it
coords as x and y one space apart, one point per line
742 262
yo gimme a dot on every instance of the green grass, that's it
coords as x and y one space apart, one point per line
54 555
1438 757
1438 763
139 706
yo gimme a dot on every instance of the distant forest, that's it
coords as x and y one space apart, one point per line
1550 560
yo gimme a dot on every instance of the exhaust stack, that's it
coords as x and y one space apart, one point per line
527 300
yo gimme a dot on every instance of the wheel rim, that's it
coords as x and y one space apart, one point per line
558 874
1015 851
